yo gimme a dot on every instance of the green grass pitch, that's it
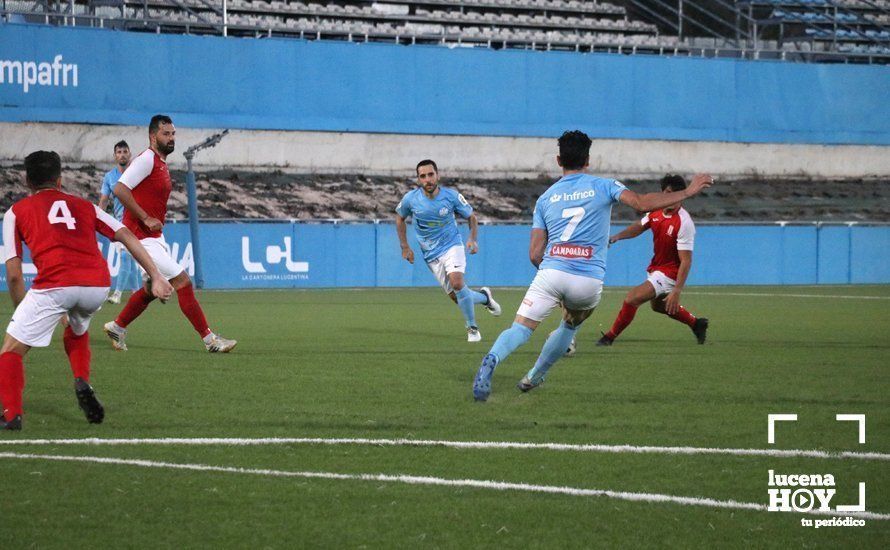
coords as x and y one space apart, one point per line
395 364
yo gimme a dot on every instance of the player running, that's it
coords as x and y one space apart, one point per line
144 189
72 281
432 208
570 233
126 275
673 235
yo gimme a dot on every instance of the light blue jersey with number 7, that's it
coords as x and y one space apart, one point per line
576 212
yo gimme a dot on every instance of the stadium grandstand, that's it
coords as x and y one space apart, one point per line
856 31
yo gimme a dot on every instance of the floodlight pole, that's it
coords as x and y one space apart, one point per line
192 190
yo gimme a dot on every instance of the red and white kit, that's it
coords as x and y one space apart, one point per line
72 276
670 234
148 179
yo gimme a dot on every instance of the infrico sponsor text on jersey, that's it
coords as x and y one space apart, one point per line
28 74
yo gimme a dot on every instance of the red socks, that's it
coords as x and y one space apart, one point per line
192 309
134 308
78 350
187 303
625 316
684 316
12 383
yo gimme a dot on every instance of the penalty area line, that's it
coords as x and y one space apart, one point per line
438 481
509 445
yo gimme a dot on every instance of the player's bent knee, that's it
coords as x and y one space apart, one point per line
526 322
456 280
181 281
574 318
13 345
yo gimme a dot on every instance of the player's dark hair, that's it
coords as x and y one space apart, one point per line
426 162
121 144
42 169
156 122
675 181
574 149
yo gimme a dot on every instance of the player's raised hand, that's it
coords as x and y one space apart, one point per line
161 288
700 182
153 224
472 247
408 254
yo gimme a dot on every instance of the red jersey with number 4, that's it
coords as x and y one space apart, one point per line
670 233
148 179
60 230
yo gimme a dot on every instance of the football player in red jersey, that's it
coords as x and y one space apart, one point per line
144 189
673 235
72 280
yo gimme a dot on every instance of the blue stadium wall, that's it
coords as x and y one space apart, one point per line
212 82
309 255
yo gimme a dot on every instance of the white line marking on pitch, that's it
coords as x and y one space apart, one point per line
426 480
782 295
590 448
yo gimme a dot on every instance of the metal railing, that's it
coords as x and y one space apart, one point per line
743 44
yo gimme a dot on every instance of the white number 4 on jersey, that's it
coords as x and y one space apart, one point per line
59 213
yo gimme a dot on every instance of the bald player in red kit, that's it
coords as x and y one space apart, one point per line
673 235
144 189
71 284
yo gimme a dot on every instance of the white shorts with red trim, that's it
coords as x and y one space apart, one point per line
454 260
36 317
159 251
661 282
551 287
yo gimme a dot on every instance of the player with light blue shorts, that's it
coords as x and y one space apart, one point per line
127 275
569 242
432 208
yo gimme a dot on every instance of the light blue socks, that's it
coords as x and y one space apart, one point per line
126 273
478 297
554 348
510 340
466 301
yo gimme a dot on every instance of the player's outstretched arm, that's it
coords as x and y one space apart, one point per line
537 246
634 230
473 241
655 201
15 280
160 287
672 303
402 231
123 194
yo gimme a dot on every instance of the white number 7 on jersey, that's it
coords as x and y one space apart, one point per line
59 213
576 214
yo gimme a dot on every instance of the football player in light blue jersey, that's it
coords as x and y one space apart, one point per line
127 275
432 208
569 242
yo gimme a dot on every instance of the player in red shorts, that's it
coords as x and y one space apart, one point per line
673 235
72 280
143 189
